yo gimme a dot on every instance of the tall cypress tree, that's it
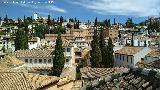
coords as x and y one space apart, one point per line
110 53
59 60
96 56
104 50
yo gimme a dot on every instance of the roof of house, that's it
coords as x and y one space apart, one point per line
9 62
129 50
24 81
88 72
154 53
33 53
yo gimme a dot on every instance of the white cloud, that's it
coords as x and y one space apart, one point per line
43 7
122 7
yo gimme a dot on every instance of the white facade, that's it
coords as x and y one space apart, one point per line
47 61
34 44
129 61
35 16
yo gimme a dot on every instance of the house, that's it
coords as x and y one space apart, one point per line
44 57
129 56
152 56
34 43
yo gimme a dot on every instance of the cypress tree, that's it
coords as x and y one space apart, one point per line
96 56
110 53
104 51
49 20
59 60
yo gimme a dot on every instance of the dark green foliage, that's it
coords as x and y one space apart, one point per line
69 25
107 22
104 50
59 29
40 31
21 40
129 23
61 20
132 41
153 26
96 57
110 53
49 20
76 25
82 64
59 59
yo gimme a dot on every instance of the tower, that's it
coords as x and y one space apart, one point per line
35 16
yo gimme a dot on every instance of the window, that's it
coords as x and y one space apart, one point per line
30 60
120 56
35 61
26 60
49 61
68 49
40 60
127 58
67 60
45 61
123 57
131 60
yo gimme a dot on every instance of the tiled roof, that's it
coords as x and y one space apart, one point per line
9 62
88 72
33 53
39 81
130 81
154 53
24 81
129 50
14 81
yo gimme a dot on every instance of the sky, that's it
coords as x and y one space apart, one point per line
84 10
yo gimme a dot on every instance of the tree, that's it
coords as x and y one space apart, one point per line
82 64
49 20
129 23
110 53
103 48
40 31
132 41
21 40
59 29
114 21
59 60
96 56
61 20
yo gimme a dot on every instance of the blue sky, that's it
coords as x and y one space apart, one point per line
84 10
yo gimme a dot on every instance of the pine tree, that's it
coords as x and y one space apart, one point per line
59 60
103 48
96 56
110 53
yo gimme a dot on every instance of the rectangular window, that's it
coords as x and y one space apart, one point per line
30 60
49 61
40 60
120 56
45 61
123 57
127 58
68 49
131 60
35 61
26 60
